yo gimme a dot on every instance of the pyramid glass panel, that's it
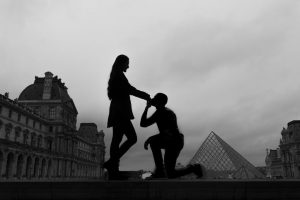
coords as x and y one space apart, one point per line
222 161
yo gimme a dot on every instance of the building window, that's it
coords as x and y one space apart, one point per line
49 144
0 109
1 123
52 113
8 128
33 125
10 113
70 147
51 129
33 139
40 126
25 136
19 117
27 120
37 110
17 132
39 141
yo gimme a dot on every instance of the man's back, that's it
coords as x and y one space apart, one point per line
166 121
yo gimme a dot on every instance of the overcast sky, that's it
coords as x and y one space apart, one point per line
231 66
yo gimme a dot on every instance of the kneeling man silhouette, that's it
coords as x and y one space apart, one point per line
169 138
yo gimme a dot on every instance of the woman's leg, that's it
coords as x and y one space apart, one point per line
115 142
130 133
112 165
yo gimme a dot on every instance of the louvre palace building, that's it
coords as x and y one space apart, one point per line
284 162
38 136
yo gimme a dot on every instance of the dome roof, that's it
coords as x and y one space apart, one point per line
35 92
58 91
294 122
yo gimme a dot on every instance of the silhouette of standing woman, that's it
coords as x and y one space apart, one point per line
120 114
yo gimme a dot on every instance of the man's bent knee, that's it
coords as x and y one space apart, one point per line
154 144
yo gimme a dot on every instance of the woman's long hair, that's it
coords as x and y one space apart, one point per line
116 68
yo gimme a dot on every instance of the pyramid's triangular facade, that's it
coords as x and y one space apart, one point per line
222 161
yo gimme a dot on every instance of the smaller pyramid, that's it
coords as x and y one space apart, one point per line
222 161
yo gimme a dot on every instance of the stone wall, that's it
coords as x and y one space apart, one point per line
164 189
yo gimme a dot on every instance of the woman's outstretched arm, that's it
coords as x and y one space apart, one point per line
140 94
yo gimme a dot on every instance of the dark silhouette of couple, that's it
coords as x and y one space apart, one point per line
120 116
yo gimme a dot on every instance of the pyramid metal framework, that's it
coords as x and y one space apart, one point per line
222 161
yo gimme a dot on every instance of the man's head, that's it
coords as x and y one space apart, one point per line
160 100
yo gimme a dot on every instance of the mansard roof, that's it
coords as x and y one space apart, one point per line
89 132
58 92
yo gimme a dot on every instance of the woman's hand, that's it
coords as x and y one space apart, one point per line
147 96
148 105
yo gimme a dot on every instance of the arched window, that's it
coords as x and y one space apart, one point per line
20 163
36 167
1 161
28 167
43 168
49 168
9 165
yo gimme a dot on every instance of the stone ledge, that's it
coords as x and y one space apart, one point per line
158 189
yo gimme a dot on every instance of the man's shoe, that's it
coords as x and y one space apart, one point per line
108 164
197 169
111 165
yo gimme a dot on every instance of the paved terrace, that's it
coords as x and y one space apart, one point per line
159 189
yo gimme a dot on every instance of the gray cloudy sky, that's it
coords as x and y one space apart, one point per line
227 66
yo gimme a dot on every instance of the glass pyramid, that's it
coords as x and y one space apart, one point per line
222 161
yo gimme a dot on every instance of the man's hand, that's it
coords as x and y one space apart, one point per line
148 105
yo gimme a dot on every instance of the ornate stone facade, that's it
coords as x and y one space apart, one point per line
290 150
273 164
38 136
285 161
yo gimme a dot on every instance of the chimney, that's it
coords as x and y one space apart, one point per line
6 94
47 85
